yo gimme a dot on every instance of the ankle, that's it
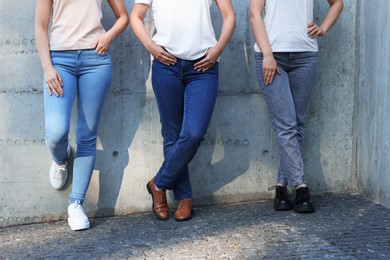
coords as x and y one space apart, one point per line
60 164
303 185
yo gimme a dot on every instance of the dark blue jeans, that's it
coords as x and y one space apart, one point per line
288 99
186 100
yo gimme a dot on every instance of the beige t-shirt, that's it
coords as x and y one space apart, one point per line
76 24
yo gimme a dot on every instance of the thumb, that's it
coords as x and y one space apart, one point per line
95 44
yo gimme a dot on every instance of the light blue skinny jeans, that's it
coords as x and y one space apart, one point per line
87 75
288 99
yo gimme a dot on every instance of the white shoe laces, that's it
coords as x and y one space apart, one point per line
59 171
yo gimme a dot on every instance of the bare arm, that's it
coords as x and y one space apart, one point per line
336 7
136 21
41 26
103 42
270 67
229 22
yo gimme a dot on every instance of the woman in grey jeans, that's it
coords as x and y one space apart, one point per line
286 60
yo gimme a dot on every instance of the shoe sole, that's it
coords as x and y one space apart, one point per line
79 227
284 207
151 193
185 219
182 219
304 209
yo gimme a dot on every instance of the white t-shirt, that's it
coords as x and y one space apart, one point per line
286 25
183 27
76 24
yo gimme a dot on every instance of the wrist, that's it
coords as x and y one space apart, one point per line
218 49
267 55
150 46
110 35
323 30
46 67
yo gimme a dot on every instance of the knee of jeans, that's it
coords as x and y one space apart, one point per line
287 131
53 138
86 145
193 137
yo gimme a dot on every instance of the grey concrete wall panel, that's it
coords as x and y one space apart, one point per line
329 140
237 160
374 106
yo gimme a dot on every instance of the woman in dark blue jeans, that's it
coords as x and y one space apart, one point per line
286 60
185 83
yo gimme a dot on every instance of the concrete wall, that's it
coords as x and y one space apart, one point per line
374 106
236 162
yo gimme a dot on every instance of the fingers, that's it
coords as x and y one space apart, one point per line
313 30
278 70
54 86
101 49
268 75
49 90
210 58
164 57
204 64
60 80
167 59
53 89
101 45
270 68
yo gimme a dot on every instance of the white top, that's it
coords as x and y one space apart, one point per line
286 25
183 27
76 24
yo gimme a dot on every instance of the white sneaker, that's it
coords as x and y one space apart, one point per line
77 219
59 174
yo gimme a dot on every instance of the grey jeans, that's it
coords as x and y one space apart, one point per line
288 99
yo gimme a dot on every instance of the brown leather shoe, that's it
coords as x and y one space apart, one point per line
160 204
184 210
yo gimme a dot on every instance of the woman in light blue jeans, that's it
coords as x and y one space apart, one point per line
286 61
86 75
76 64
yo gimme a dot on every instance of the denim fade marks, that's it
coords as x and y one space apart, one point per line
186 100
87 76
288 99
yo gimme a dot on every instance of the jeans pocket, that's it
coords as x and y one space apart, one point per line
100 54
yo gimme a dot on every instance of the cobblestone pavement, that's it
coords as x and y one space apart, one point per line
344 227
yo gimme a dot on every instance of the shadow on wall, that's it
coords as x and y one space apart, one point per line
241 137
239 129
122 114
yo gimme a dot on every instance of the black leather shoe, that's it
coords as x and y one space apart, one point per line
302 201
282 199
